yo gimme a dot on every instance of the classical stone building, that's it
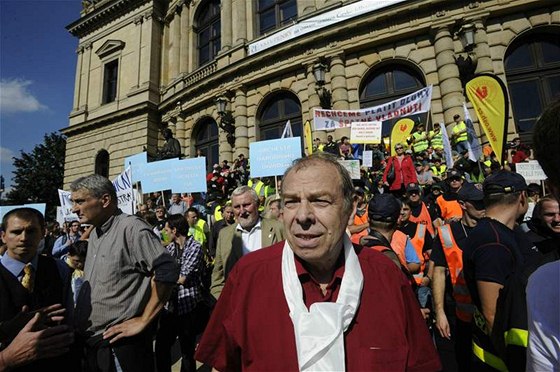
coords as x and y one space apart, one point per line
143 65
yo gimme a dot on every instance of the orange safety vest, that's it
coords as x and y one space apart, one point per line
398 243
424 218
454 257
355 238
449 208
418 243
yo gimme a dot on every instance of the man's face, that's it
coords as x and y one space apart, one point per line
22 238
192 218
474 208
275 210
329 138
170 232
405 214
175 198
77 262
90 209
144 210
313 215
457 119
551 215
75 227
160 213
414 197
455 183
246 210
228 214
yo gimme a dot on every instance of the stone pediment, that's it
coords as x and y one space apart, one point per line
109 47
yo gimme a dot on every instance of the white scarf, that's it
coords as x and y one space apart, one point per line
319 332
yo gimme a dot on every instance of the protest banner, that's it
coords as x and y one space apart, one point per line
180 176
125 192
488 96
136 163
367 160
273 157
399 134
66 206
531 171
367 132
353 167
415 103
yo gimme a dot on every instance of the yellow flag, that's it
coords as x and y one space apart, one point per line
307 137
401 130
487 94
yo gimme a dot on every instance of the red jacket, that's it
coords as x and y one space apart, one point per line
404 172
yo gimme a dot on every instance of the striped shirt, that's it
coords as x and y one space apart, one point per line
122 256
185 297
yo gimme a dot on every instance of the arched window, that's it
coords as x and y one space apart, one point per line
102 163
206 140
276 111
532 66
207 29
275 13
387 83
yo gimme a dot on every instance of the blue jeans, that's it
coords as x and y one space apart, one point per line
461 146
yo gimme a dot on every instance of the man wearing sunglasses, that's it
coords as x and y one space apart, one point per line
447 253
449 207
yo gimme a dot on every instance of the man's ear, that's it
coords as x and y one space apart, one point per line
106 200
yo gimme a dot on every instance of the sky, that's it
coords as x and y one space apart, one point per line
37 71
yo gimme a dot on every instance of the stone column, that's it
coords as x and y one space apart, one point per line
239 32
184 44
175 39
448 73
241 126
339 91
138 21
482 49
78 79
180 131
165 53
313 98
226 24
86 70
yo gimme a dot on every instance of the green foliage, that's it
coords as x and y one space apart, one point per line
39 174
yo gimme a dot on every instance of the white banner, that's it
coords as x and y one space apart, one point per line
353 167
367 158
415 103
125 193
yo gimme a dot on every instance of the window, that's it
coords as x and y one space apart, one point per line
102 163
208 31
532 66
273 14
387 83
277 110
110 80
206 140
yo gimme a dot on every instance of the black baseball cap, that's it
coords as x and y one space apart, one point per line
469 192
413 187
504 182
453 173
384 208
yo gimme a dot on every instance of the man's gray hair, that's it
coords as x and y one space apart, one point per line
245 189
329 159
97 185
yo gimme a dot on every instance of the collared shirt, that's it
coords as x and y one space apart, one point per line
387 333
187 296
122 256
251 239
177 208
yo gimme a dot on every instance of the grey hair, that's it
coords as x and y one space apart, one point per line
97 185
245 189
329 159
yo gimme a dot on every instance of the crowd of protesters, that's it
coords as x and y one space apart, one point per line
462 237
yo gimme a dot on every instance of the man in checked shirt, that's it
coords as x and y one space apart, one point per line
185 313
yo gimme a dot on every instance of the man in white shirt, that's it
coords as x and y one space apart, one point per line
250 233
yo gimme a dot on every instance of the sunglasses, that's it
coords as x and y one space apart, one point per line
398 148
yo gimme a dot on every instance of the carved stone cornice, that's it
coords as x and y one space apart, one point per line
106 13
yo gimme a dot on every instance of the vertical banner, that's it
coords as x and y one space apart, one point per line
66 206
446 146
475 150
287 133
401 130
307 138
488 95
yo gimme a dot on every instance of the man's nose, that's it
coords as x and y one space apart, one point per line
304 214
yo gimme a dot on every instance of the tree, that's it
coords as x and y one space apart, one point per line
39 174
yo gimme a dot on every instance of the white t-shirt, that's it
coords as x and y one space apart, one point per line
543 310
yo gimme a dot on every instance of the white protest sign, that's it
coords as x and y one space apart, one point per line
125 193
367 158
66 206
353 167
531 170
366 132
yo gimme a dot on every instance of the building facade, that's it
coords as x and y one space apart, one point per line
145 65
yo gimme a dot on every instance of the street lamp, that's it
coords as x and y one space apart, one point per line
466 62
227 121
319 72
